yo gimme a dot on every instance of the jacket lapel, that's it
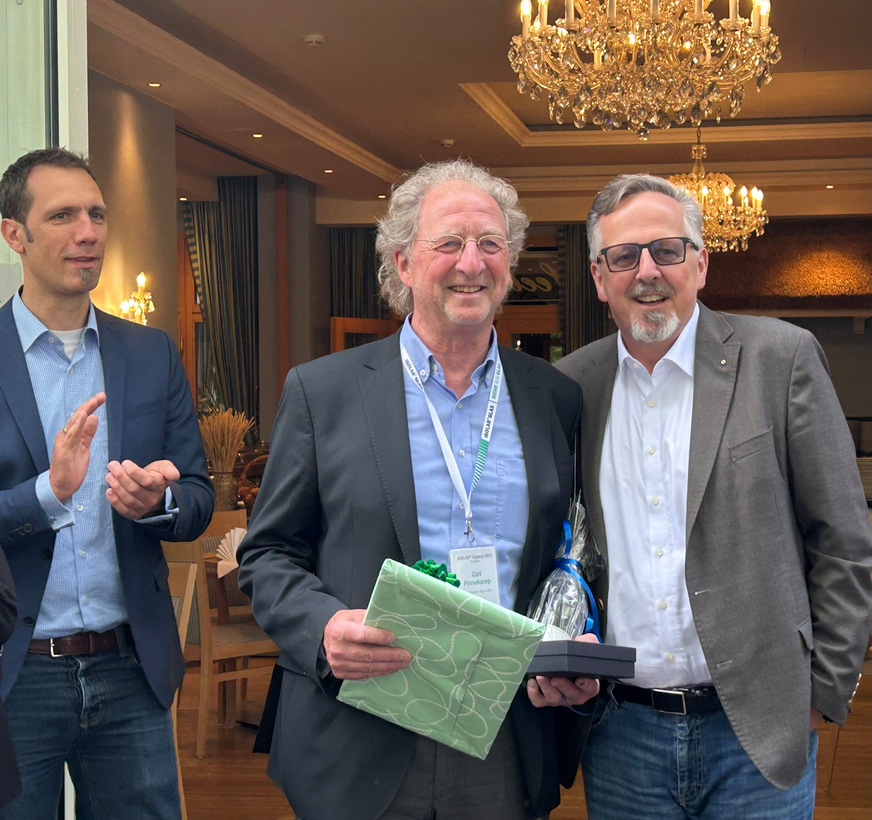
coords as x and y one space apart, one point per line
598 381
17 390
114 366
714 378
532 416
384 404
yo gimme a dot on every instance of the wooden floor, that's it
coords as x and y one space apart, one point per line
230 783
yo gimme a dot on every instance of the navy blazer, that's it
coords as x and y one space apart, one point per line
150 416
337 498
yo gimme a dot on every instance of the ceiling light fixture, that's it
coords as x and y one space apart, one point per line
726 224
154 85
642 64
328 170
257 136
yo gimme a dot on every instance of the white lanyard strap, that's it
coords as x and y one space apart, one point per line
447 453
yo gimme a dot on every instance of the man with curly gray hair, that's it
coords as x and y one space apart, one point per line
384 451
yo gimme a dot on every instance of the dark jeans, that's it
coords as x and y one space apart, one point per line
98 714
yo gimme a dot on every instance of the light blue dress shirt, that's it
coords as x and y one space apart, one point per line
83 591
499 501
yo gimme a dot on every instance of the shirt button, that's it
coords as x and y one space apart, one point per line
662 604
659 552
459 405
79 507
86 599
670 657
652 403
83 554
655 502
51 339
650 451
461 452
423 371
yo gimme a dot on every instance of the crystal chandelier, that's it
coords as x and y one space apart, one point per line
727 224
642 64
139 304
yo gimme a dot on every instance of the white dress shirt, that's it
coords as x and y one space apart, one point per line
643 486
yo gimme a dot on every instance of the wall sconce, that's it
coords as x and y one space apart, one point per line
139 304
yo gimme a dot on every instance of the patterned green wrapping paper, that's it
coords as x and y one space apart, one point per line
468 658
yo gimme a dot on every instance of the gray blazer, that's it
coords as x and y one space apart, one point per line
336 499
779 547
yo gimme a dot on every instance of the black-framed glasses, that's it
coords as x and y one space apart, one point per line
671 250
452 245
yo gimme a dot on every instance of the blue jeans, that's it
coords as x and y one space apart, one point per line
97 713
639 763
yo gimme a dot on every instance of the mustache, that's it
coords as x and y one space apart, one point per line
650 289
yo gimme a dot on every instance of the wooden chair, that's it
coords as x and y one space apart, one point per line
211 639
182 581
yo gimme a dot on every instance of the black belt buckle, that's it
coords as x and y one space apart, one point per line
669 700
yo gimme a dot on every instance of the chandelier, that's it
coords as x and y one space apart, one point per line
727 224
139 304
642 64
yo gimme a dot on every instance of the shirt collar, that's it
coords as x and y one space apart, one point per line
30 328
680 354
426 364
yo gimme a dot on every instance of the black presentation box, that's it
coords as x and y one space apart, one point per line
575 659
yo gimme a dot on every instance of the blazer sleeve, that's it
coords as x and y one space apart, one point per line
279 555
833 518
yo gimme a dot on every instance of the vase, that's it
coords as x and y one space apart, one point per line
226 491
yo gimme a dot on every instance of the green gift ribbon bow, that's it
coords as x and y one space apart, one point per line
438 571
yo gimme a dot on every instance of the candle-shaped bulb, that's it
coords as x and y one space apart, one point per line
764 13
140 282
543 13
705 190
744 192
526 11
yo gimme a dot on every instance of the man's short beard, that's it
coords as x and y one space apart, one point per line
658 326
90 276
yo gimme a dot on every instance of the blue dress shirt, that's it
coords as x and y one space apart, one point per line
499 501
83 591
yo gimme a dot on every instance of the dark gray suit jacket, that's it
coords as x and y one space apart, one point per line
337 498
779 548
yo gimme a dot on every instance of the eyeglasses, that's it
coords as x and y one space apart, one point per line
451 245
671 250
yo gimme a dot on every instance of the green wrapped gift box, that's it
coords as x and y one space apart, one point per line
468 658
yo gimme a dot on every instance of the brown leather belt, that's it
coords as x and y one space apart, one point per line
82 643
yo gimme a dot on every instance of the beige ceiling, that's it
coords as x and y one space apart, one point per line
393 78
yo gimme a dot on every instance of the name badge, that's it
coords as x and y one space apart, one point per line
476 569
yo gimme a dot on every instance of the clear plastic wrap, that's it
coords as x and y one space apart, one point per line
563 600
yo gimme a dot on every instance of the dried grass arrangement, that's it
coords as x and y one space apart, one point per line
223 435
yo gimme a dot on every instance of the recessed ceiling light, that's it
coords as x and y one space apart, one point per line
382 196
154 85
830 186
183 199
257 136
328 170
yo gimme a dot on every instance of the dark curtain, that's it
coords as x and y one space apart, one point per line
222 242
353 274
584 314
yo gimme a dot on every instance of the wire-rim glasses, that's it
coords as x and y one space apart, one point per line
453 245
670 250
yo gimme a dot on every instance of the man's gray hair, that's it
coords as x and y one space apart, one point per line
626 185
399 227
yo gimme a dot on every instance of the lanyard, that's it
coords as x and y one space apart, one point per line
484 442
